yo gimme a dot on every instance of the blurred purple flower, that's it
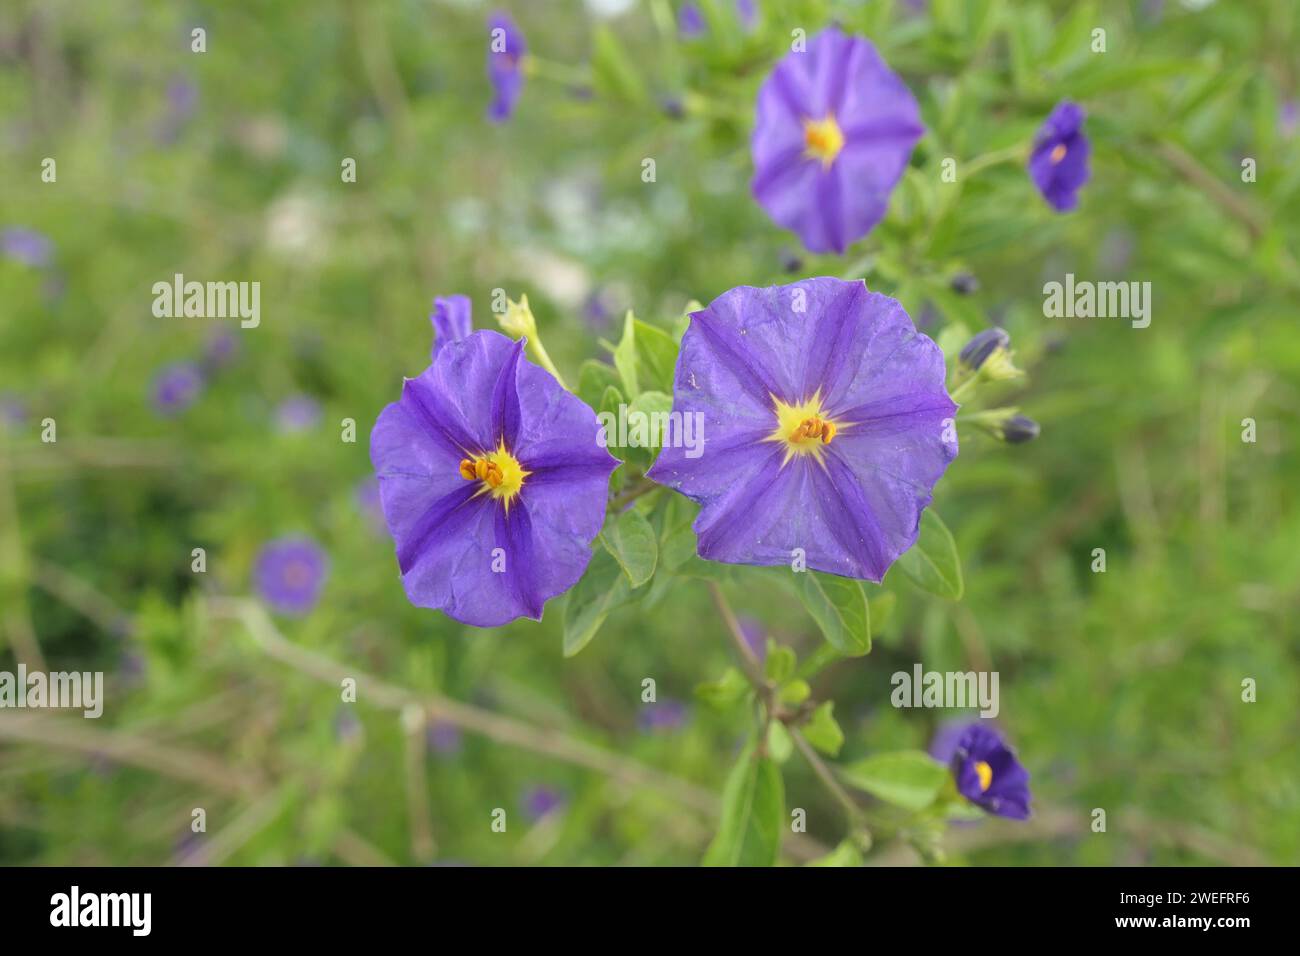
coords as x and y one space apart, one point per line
663 716
834 130
541 801
690 21
175 388
27 246
220 350
347 728
13 410
747 13
182 100
451 320
506 51
289 574
1288 118
1058 164
367 500
297 414
443 737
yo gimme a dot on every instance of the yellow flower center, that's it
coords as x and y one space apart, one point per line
1058 153
824 138
499 471
985 773
803 428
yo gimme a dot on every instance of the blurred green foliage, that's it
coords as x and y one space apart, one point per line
1121 690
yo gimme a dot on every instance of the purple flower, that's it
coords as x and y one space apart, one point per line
220 350
690 21
27 246
175 388
662 716
297 414
1058 164
989 775
451 320
824 414
1288 118
834 131
13 410
442 737
747 13
289 574
506 49
347 728
493 482
541 801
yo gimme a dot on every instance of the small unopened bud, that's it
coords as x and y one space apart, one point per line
518 319
965 284
1018 429
977 351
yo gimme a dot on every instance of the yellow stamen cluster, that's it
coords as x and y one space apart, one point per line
824 138
985 773
1058 153
803 428
499 471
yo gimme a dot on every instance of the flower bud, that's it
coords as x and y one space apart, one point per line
965 284
518 320
1018 429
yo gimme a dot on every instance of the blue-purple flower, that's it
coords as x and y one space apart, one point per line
289 574
747 14
989 775
663 716
442 737
506 50
298 413
541 801
1058 163
834 132
451 318
27 246
175 388
825 424
690 21
492 480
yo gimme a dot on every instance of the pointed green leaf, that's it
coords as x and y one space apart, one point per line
823 731
753 814
932 563
602 589
839 607
907 778
631 540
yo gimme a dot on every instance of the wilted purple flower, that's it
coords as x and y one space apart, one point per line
825 423
506 50
493 482
662 716
833 134
1058 163
989 775
541 801
289 574
31 248
175 388
451 320
442 737
690 21
297 414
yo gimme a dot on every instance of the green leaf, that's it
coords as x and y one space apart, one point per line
907 778
846 854
728 689
753 813
780 745
781 662
823 731
932 563
593 378
631 540
612 68
602 589
656 351
647 439
795 692
839 606
625 357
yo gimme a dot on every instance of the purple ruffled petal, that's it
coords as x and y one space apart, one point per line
451 320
